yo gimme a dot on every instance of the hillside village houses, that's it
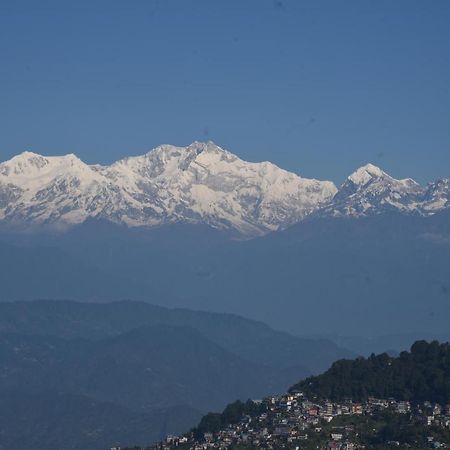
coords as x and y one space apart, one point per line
289 420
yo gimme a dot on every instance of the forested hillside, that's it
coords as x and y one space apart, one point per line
419 375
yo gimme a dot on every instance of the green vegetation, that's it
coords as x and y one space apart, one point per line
379 431
231 415
419 375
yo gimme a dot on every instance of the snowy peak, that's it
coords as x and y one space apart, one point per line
28 164
366 174
370 191
23 163
205 183
201 183
369 174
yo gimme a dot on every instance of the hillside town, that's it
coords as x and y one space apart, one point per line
292 421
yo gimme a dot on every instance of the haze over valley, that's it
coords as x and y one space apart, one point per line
197 227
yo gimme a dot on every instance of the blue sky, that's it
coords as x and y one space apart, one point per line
318 87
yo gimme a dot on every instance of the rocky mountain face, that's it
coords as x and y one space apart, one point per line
198 184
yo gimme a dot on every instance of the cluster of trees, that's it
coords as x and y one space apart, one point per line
419 375
232 414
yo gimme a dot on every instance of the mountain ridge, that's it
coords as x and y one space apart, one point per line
85 376
201 183
198 184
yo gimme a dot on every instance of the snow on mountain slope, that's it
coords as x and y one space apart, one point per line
201 183
204 183
369 190
41 189
437 196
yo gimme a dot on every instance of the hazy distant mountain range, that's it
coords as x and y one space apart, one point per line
198 184
86 376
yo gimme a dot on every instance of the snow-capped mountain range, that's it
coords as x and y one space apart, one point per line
200 183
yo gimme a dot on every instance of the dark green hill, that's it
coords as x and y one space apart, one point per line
419 375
